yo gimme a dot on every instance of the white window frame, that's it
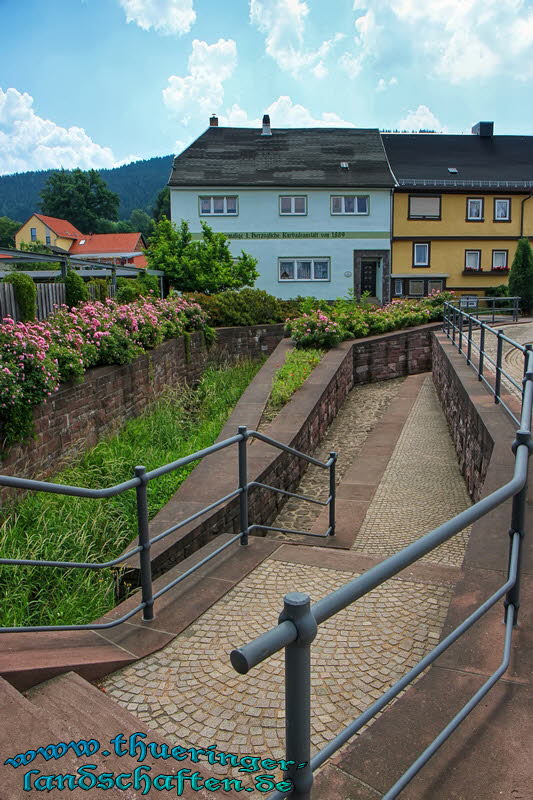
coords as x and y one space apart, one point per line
48 239
478 256
356 198
292 198
410 214
33 234
469 216
508 215
506 256
294 261
435 280
424 263
398 284
212 212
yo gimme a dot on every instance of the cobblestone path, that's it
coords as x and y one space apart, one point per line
422 487
189 692
513 359
362 409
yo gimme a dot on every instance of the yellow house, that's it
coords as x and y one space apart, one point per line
48 230
461 204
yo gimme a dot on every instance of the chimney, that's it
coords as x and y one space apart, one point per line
485 129
266 126
213 121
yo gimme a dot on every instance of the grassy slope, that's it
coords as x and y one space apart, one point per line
59 528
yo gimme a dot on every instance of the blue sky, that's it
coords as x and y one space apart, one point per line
96 83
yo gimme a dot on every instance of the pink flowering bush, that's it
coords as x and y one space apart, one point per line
314 330
36 357
349 319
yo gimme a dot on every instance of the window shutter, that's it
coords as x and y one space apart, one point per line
424 206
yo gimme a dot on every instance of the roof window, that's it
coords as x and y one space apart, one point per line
82 241
453 170
344 165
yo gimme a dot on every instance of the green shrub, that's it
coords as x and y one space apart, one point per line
25 295
521 275
101 286
76 291
244 307
128 290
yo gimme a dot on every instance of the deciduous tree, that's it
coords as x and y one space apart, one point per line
80 197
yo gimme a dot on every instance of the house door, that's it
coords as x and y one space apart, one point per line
368 276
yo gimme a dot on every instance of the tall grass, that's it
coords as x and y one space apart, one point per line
298 365
58 528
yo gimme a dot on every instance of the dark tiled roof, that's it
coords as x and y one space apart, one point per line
290 157
485 161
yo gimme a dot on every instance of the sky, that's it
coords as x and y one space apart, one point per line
99 83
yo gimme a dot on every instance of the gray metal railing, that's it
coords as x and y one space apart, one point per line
489 307
139 483
299 621
473 339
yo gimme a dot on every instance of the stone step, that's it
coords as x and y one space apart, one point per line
86 712
25 726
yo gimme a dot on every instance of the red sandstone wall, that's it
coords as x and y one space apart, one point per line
79 415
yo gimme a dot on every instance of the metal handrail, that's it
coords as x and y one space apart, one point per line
139 483
299 620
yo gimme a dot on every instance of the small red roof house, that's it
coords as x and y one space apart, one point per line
112 246
118 248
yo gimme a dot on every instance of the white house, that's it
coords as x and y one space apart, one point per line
313 205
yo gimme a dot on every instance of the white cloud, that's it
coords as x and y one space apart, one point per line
458 40
202 90
169 17
423 119
284 114
384 84
283 23
29 142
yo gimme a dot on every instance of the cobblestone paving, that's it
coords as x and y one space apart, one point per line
421 488
513 359
359 414
190 693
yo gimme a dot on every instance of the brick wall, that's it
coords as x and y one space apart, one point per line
79 415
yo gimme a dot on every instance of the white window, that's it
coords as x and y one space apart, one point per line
416 288
33 232
350 204
499 259
304 269
218 204
472 259
434 286
474 208
293 205
424 207
398 287
421 254
48 239
502 209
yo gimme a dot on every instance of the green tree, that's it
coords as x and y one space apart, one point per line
8 229
521 275
142 222
76 291
80 197
205 265
36 247
162 205
25 295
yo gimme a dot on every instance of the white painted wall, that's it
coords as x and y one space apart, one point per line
259 213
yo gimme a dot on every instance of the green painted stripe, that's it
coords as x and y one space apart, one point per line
305 235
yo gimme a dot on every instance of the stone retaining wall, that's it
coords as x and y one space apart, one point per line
79 415
392 355
473 443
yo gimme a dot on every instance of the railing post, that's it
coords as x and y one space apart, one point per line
493 301
454 318
460 331
297 608
499 354
515 309
332 493
481 351
469 347
144 542
243 485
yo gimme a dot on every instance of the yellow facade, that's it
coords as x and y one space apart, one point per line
451 236
24 234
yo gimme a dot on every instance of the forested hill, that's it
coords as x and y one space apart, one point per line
137 184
